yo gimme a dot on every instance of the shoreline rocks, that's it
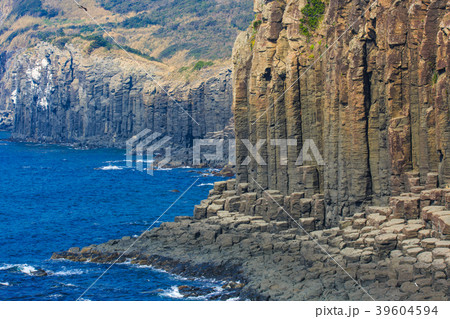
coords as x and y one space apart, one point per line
393 257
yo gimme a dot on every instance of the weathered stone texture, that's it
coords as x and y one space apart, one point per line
375 102
66 96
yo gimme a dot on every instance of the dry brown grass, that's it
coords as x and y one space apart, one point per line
151 40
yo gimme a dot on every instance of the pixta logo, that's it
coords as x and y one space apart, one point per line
253 150
141 150
142 147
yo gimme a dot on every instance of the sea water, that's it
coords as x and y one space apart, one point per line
53 198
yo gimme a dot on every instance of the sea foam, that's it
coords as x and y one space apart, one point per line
111 168
68 272
206 184
24 268
173 292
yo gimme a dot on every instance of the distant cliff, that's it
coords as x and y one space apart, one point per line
376 103
65 96
63 79
6 111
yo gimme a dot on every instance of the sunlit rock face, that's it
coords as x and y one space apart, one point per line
65 96
375 101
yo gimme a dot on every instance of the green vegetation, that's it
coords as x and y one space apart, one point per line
32 8
240 21
139 21
202 29
312 16
45 35
183 69
174 48
18 32
434 78
199 65
202 64
122 7
255 26
97 41
206 29
61 42
139 53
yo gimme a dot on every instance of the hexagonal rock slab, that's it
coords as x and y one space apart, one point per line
405 206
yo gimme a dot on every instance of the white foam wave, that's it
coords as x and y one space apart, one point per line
68 272
111 168
218 290
24 268
144 161
173 292
206 184
127 262
150 267
233 299
4 283
30 270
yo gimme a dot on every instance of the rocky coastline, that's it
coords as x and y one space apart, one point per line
64 96
396 252
373 223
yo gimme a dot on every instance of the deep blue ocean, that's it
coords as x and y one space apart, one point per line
53 198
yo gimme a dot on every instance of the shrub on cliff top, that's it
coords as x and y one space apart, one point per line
97 41
255 26
202 64
312 15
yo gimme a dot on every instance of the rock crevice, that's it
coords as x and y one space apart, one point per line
374 99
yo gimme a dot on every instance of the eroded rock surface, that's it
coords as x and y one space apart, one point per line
375 102
390 255
66 96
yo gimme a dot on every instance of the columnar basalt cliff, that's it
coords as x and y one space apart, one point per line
375 100
6 113
374 222
66 96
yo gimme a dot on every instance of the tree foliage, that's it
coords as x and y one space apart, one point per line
312 16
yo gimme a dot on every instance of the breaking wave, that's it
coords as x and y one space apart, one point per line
205 184
111 168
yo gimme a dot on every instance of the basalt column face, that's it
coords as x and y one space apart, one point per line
369 87
65 96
